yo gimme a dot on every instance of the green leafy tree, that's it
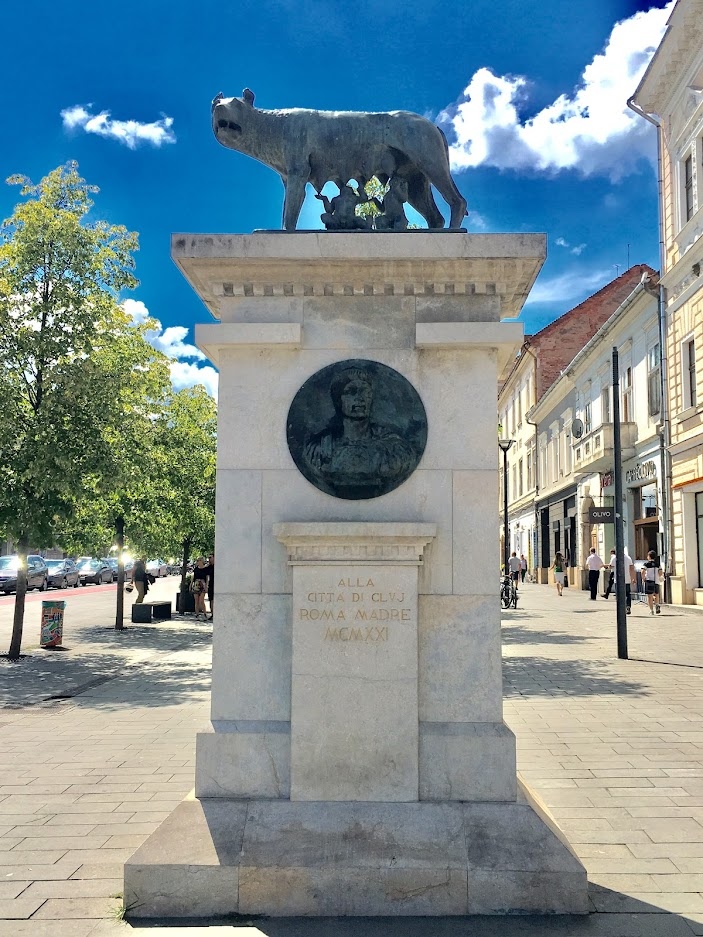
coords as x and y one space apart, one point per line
185 452
72 366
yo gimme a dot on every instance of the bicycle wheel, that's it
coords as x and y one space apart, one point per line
514 597
505 598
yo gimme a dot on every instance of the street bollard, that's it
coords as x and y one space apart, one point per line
52 623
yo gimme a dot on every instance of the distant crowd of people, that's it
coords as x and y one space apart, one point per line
651 576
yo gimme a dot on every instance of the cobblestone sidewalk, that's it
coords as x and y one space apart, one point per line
615 748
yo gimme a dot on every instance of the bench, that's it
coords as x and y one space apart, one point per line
151 611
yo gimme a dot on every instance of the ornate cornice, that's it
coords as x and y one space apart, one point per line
362 543
675 59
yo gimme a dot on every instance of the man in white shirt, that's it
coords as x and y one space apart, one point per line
594 564
514 567
630 577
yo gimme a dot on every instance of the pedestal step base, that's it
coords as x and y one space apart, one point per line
282 858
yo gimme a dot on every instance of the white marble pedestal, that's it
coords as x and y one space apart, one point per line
357 761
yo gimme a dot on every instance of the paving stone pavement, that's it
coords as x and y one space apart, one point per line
615 749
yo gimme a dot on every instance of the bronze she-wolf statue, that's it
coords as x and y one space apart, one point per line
322 146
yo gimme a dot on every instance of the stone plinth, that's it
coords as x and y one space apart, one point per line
357 763
354 692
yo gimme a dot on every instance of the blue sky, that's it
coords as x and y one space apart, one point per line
530 94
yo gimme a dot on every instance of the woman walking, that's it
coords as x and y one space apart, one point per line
559 572
651 582
199 586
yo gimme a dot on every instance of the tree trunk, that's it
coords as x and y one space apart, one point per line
20 593
119 617
184 565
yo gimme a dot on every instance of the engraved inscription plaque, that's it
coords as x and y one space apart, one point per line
357 429
354 689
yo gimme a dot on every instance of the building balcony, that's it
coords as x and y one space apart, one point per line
594 452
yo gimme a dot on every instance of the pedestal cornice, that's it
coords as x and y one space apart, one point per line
367 543
312 264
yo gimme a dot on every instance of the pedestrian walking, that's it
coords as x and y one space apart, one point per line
594 564
611 575
523 567
652 579
199 586
630 577
514 568
211 582
558 567
140 578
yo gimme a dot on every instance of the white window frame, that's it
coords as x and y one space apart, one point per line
606 412
688 401
651 372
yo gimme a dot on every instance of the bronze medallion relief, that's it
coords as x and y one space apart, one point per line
357 429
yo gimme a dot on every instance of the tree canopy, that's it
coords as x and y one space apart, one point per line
85 396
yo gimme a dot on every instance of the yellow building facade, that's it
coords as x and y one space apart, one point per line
670 95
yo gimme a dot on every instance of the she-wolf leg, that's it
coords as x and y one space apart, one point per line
294 198
441 179
421 198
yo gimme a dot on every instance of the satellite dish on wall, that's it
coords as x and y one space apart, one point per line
577 428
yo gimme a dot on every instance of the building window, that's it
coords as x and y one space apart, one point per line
519 408
514 483
699 532
688 188
689 373
587 420
530 486
645 504
605 405
627 396
654 379
543 466
519 476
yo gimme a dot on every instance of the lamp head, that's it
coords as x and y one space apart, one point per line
505 444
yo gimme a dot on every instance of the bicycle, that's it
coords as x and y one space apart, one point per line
508 593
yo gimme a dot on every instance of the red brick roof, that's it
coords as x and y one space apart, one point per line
559 342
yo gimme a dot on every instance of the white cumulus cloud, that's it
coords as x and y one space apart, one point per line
590 130
129 132
576 249
171 341
572 286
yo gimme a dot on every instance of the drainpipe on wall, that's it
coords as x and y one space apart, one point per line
527 348
665 433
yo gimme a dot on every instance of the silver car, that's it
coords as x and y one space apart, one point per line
37 573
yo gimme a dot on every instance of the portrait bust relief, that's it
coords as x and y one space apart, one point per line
357 429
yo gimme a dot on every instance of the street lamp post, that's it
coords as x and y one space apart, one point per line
505 444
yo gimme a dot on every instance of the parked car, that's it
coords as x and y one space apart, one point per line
37 573
128 564
63 573
95 571
157 568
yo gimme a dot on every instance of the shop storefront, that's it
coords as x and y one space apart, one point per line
558 531
642 483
